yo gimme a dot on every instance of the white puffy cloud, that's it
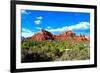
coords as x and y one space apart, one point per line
27 32
24 12
37 22
79 26
38 28
49 27
39 17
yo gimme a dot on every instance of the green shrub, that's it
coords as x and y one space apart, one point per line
54 50
76 54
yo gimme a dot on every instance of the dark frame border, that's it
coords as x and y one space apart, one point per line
13 36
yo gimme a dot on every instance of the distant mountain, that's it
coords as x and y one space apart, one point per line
22 38
67 35
42 35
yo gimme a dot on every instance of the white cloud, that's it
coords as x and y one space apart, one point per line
38 28
39 17
79 26
27 32
49 27
37 22
24 12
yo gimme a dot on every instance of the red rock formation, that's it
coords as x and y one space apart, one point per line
81 37
68 35
42 35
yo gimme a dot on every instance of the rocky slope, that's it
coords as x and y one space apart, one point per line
67 35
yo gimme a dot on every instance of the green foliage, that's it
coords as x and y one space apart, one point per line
76 54
54 50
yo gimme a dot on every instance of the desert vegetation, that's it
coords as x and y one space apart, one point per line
54 50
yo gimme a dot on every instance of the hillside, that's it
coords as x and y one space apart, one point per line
67 35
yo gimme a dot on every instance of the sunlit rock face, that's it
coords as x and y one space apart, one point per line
67 35
42 35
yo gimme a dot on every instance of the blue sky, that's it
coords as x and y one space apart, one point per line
32 21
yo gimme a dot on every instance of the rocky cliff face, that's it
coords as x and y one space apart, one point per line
81 38
42 35
68 35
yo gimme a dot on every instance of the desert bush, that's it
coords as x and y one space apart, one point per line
76 54
54 50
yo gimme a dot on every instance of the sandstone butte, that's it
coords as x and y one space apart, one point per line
67 35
